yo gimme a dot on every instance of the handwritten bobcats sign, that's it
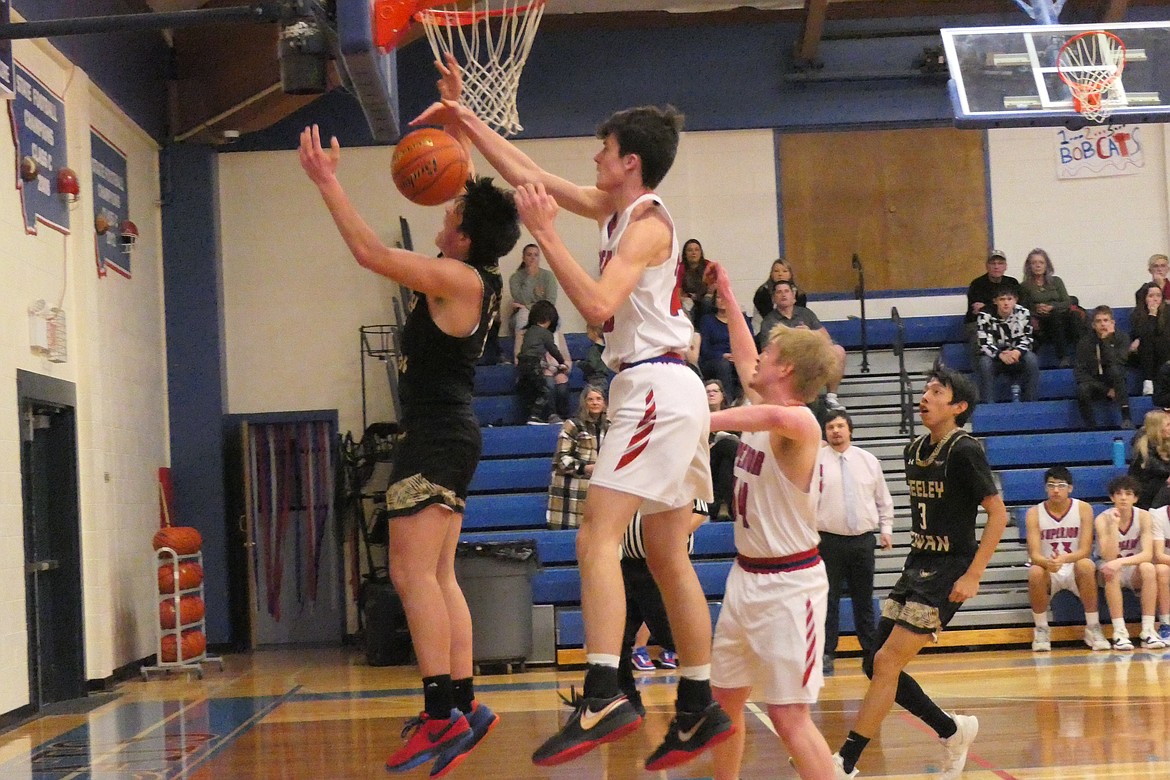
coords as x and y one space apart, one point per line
110 203
1099 150
38 119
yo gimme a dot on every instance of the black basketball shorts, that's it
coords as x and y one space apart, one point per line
434 464
920 600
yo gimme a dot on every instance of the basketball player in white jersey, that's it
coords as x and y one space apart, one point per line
1160 531
1127 551
771 631
1060 542
655 458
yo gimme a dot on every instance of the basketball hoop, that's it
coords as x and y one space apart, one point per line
1090 63
493 45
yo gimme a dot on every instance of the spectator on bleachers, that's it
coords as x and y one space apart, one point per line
724 445
1151 460
1054 320
853 504
1160 531
1150 330
715 347
781 271
1161 397
538 391
696 294
981 295
593 368
1006 348
1060 544
1100 368
1159 268
528 284
572 463
790 315
1125 539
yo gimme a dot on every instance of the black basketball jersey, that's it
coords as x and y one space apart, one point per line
437 370
948 482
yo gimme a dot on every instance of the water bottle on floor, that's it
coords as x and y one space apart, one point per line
1015 393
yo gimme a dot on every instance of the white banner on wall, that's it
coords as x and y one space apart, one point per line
1099 150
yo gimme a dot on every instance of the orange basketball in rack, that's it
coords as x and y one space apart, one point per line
182 539
190 609
190 575
193 644
429 167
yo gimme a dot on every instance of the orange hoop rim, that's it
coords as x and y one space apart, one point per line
1096 86
457 18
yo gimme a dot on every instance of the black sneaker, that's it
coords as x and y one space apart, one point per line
593 722
690 733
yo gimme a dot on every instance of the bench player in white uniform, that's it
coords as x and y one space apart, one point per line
1160 533
655 458
1127 550
1060 545
771 631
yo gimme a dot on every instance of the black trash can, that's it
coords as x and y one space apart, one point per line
386 634
496 578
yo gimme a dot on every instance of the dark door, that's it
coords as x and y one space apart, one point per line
52 545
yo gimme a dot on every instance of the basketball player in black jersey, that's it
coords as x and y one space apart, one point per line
949 479
456 301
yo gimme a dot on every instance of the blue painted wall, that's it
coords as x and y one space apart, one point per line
197 398
130 68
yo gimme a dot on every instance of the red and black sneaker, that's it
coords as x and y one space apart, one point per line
428 737
593 722
690 733
482 720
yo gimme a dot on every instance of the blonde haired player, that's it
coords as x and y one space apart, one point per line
771 631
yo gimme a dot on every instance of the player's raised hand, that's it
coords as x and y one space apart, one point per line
450 82
320 164
715 275
537 208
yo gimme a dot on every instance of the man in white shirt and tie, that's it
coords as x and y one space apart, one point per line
854 503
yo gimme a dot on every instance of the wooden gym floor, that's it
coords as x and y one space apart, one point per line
325 714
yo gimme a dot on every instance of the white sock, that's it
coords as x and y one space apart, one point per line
1119 628
698 673
1147 624
830 396
1040 619
1092 619
1164 619
602 659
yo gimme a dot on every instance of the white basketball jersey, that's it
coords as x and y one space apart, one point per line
1160 527
1130 542
773 518
651 322
1059 535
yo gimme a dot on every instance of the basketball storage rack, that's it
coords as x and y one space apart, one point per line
193 664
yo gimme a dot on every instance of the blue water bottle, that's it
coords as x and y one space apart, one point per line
1118 453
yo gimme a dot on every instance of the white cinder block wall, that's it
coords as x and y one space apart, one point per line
116 360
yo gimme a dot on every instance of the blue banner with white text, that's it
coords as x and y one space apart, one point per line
5 56
38 128
111 204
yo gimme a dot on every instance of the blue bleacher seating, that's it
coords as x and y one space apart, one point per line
505 510
1052 449
1048 416
1026 486
520 441
493 476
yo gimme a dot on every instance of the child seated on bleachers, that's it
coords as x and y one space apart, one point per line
534 387
1100 367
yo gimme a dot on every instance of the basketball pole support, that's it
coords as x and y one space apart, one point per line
1042 11
860 293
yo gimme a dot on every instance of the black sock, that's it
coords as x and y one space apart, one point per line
438 696
693 695
464 693
851 749
601 682
912 698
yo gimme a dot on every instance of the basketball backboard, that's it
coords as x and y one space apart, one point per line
366 71
1007 76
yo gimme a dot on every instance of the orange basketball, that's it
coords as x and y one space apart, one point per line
194 643
190 575
182 539
429 167
190 609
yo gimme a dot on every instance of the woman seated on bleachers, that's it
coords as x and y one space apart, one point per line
1149 325
724 446
1159 268
572 464
1151 460
1054 319
781 271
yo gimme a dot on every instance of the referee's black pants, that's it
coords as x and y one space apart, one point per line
849 565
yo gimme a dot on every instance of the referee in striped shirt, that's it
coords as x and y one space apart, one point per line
644 601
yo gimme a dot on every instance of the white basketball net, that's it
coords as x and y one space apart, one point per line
1090 63
492 45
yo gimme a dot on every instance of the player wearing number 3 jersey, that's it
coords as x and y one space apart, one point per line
949 479
771 631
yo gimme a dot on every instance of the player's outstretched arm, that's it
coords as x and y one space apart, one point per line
440 278
743 344
516 167
790 422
